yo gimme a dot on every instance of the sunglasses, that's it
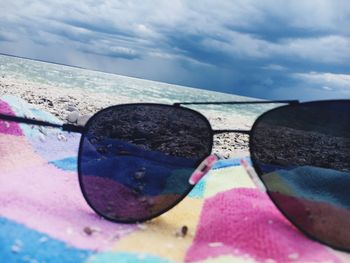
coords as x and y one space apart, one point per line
137 161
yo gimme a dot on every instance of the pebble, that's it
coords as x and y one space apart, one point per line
63 99
69 231
82 120
139 175
141 257
17 247
293 256
150 201
170 245
71 108
215 244
87 230
182 231
141 226
217 142
61 137
73 116
90 230
42 137
43 239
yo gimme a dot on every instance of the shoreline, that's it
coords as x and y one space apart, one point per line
78 105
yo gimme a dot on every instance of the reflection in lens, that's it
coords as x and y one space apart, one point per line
135 160
302 154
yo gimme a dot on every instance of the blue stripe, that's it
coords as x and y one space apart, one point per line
21 244
122 257
67 164
230 162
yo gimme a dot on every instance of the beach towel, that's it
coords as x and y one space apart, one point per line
44 217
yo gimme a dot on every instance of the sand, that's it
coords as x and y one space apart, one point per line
77 105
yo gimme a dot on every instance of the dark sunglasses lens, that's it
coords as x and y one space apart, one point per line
302 154
135 160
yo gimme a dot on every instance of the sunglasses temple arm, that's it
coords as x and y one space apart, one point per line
64 127
253 175
236 102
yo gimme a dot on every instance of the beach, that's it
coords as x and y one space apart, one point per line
78 105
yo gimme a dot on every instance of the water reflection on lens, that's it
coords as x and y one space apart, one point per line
302 154
135 160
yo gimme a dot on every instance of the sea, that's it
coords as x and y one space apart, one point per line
68 77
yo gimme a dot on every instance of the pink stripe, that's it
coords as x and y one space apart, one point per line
8 127
244 221
16 154
49 200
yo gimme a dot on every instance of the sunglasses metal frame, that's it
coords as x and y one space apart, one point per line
80 174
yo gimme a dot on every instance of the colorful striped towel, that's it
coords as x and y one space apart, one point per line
44 218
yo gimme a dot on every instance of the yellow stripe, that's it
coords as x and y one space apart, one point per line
158 236
225 179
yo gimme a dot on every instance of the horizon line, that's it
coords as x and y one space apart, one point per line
107 72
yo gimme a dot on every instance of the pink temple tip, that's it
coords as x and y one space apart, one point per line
202 169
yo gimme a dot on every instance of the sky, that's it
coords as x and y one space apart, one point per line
267 49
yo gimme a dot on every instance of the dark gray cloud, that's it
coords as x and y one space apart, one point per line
268 49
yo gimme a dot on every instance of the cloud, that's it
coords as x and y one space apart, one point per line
113 51
328 49
275 67
263 49
327 80
7 36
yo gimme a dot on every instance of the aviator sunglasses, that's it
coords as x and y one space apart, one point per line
137 161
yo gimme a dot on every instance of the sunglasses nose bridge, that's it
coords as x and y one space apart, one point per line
203 169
